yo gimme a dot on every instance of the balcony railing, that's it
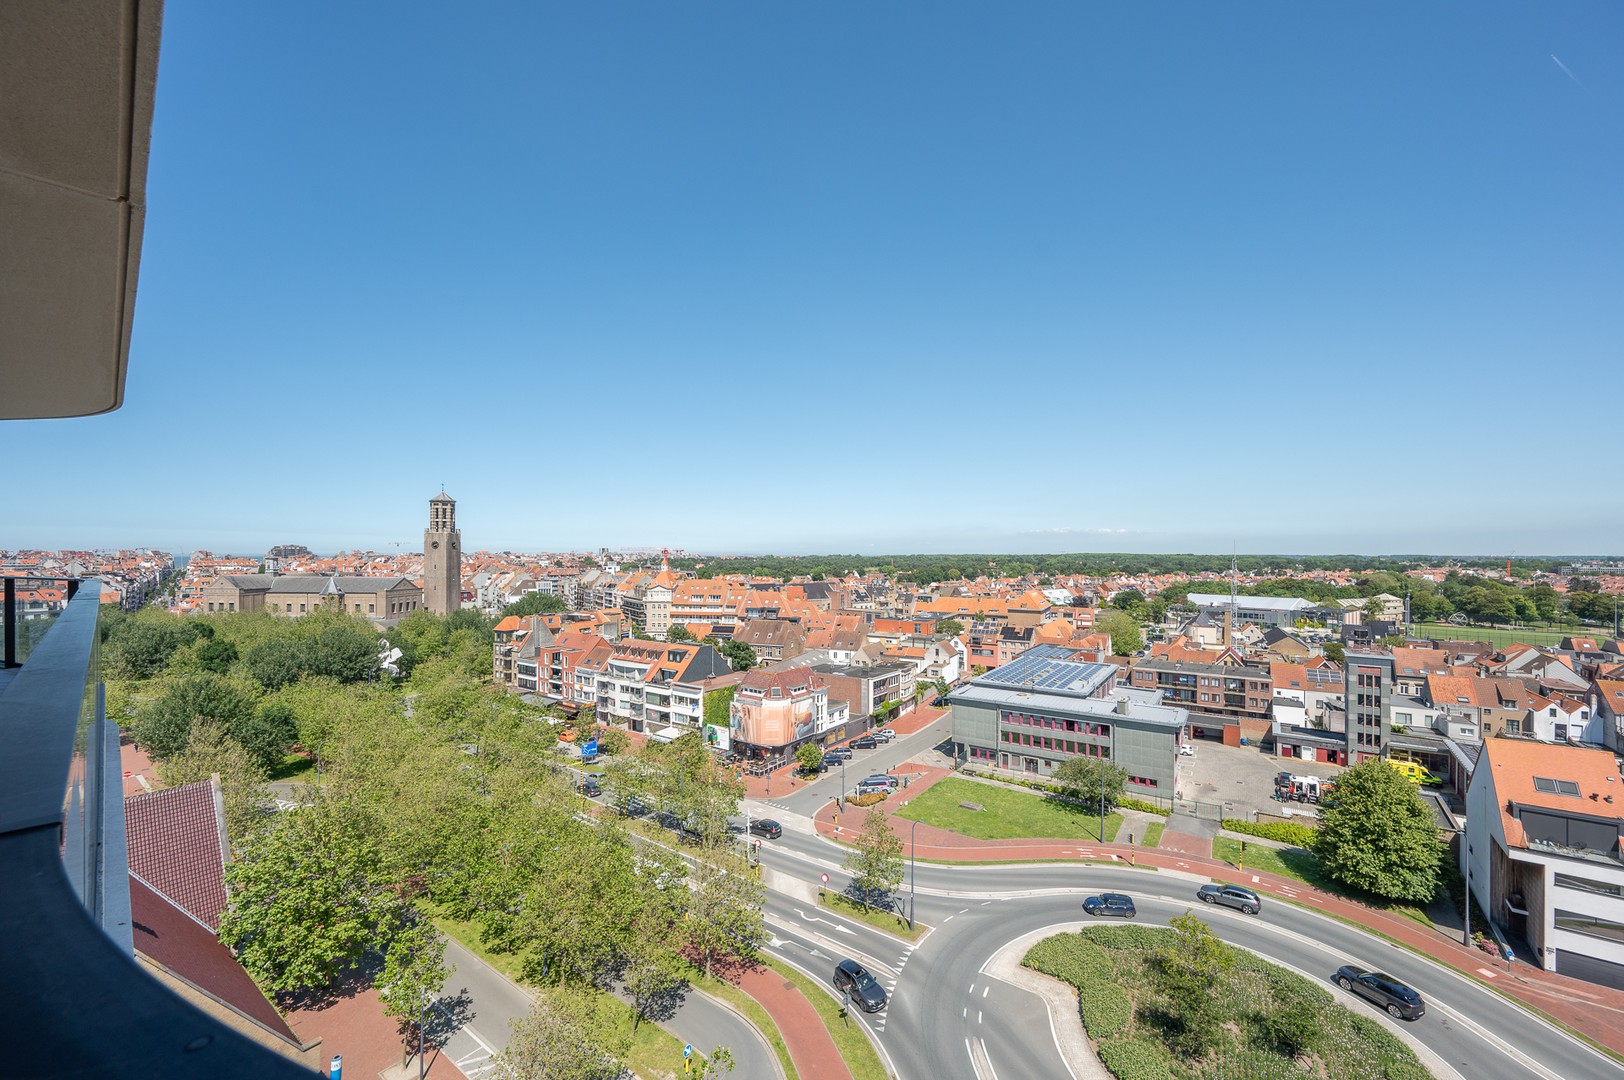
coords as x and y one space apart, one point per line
70 980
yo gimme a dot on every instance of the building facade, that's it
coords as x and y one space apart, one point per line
381 599
1370 692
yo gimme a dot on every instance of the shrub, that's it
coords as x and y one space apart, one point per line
1135 1059
1086 966
867 800
1292 1029
1144 807
1287 832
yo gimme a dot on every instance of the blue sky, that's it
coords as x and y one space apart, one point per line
870 277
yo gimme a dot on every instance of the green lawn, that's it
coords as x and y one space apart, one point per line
1302 866
1153 834
1007 814
886 920
1257 1020
859 1054
296 767
1500 636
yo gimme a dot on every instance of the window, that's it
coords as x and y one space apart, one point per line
1589 925
1554 787
372 608
1602 888
301 609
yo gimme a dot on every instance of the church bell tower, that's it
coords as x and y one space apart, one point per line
442 557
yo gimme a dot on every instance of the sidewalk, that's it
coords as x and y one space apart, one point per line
809 1044
1597 1012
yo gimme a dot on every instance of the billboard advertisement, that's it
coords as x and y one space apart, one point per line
770 722
718 736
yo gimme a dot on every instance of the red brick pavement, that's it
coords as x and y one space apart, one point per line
369 1040
810 1047
1596 1012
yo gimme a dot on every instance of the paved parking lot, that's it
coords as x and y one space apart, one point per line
1242 777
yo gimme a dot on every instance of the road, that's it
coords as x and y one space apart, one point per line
945 1014
480 1003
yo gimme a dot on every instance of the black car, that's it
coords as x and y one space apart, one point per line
836 756
865 992
590 788
1111 903
767 827
1245 900
1401 1002
864 742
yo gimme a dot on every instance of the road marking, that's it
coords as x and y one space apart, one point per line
978 1016
984 990
826 922
1487 974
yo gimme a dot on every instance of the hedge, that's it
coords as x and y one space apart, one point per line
1135 1059
1086 966
1144 807
867 800
1287 832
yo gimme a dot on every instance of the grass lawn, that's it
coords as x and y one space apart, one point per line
1258 1020
1007 814
888 921
1500 636
1153 834
1302 866
295 767
859 1054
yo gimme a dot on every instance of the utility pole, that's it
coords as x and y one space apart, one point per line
913 870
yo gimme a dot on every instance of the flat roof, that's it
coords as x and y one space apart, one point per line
1052 669
1260 603
1168 717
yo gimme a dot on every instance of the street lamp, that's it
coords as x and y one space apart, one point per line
913 868
843 783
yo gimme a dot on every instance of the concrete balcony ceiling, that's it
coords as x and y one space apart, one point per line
76 96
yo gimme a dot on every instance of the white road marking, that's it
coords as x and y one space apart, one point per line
984 990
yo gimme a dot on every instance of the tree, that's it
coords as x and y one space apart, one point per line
535 603
740 655
1123 628
165 726
560 1040
951 627
216 655
267 733
725 917
1086 779
211 752
809 757
414 973
651 969
875 860
1191 972
1335 652
1377 836
1129 600
275 663
678 632
307 898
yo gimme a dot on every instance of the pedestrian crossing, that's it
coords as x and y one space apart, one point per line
478 1065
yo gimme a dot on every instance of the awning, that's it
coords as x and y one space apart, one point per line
665 734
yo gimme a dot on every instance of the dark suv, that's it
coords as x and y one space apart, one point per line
767 827
865 992
1111 903
1231 896
864 742
836 756
1401 1002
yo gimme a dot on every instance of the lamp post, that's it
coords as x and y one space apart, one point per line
843 783
1100 774
913 867
1466 934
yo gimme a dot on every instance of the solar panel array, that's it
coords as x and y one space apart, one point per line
1044 667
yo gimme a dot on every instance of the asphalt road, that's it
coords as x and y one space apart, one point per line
947 1019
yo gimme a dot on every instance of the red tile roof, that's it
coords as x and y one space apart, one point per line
176 839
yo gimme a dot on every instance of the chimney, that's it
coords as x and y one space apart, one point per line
1121 706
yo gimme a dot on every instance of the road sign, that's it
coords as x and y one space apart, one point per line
688 1050
825 878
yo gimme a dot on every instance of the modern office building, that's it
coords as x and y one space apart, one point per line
1047 706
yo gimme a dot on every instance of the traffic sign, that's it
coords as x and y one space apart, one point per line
688 1050
825 879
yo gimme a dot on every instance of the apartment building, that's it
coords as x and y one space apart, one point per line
717 603
1370 691
647 685
773 712
772 639
1231 691
1542 853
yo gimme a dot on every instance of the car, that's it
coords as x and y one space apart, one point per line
889 782
1111 903
590 788
767 827
1186 750
872 787
864 742
1244 900
888 733
837 755
852 978
1400 1001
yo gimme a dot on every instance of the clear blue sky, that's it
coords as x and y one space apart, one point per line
870 277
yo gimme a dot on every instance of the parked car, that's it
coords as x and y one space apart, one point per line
1186 750
888 781
864 742
767 827
866 993
872 787
1111 903
1400 1001
837 755
1245 900
882 736
888 733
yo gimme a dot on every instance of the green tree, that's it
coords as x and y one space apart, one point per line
740 655
1377 836
535 603
1191 973
1126 638
267 733
950 626
216 655
651 970
276 662
209 751
414 973
725 917
809 757
678 632
875 860
1335 652
307 898
1087 780
560 1040
165 725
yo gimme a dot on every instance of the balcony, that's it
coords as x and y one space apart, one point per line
70 977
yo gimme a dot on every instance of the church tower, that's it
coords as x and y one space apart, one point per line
442 557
